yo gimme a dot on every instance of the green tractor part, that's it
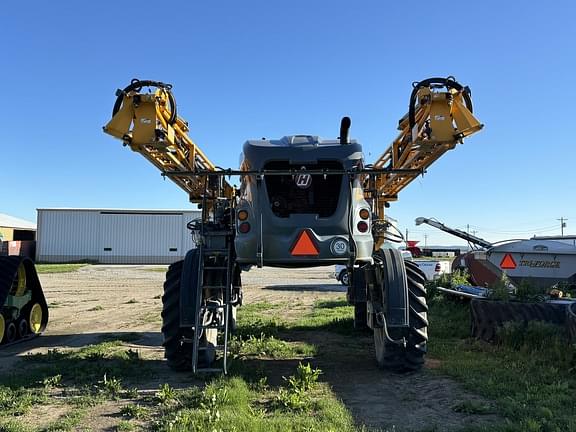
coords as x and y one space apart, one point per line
23 308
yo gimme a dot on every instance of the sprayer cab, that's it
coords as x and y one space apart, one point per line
305 209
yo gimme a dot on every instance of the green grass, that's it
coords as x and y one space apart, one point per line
265 318
86 377
58 268
530 376
529 379
330 315
241 401
134 411
125 425
84 367
230 403
19 400
67 422
13 425
269 346
156 269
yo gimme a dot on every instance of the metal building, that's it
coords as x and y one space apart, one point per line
113 236
13 228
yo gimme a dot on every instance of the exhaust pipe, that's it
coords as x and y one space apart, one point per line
345 124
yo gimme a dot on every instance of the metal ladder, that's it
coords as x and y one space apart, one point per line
216 243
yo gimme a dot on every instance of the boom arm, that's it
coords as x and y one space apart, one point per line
149 124
455 232
439 117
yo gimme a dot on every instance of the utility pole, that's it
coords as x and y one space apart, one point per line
468 228
425 240
406 236
562 224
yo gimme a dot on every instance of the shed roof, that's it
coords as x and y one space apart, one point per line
7 221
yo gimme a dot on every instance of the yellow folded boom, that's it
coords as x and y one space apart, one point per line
439 117
148 123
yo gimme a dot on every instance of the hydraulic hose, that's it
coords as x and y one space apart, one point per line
449 83
136 85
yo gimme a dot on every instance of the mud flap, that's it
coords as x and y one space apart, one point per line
388 286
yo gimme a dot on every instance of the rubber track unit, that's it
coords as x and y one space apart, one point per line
8 275
411 357
488 315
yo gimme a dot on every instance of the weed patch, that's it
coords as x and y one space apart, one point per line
16 402
58 268
529 375
296 395
332 315
329 315
229 403
134 411
67 422
269 346
87 365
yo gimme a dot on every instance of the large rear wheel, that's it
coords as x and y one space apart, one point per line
393 356
178 340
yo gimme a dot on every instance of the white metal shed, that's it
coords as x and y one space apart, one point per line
113 236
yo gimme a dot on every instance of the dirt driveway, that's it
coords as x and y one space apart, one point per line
99 300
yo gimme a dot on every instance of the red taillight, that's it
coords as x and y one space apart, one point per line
362 226
438 268
244 227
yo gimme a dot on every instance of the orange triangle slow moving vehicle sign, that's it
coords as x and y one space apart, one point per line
508 262
304 246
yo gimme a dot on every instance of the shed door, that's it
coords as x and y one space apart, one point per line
141 238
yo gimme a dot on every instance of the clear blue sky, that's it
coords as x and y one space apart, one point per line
255 69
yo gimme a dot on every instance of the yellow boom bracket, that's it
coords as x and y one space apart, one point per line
439 117
149 125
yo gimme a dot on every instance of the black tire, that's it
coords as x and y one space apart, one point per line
177 341
344 277
395 357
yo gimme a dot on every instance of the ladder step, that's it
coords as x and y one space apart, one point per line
209 370
214 286
215 268
209 251
215 327
210 308
215 347
218 233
